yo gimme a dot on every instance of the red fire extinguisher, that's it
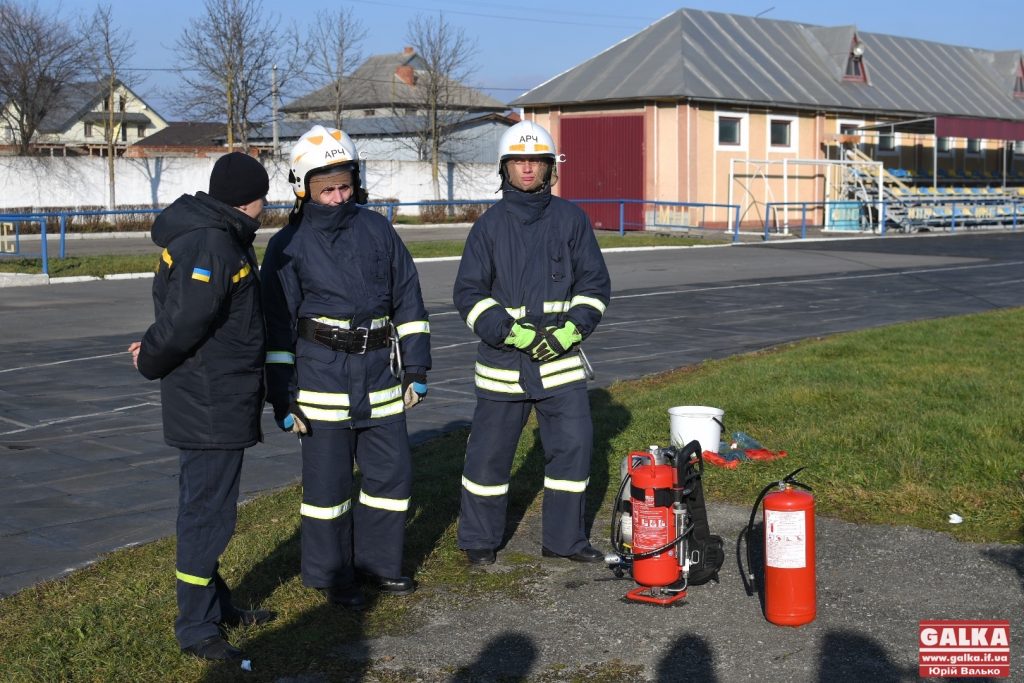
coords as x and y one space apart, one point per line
789 573
654 523
658 524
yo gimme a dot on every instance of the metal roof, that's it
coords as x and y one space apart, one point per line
368 126
75 102
375 84
728 58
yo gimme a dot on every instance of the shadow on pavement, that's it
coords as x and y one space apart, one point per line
508 656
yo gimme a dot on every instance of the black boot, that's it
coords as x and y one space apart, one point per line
215 649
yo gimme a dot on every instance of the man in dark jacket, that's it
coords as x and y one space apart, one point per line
532 285
348 354
207 348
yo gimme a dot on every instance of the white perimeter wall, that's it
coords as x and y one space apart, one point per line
37 183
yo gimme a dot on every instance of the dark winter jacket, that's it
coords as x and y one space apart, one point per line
530 257
207 345
347 268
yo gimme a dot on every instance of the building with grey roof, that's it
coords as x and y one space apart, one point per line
76 122
703 107
389 85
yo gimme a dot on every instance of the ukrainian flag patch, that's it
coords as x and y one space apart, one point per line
201 274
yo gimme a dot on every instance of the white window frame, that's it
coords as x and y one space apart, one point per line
744 119
856 124
794 133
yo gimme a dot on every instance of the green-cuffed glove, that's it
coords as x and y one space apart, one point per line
531 341
522 335
565 337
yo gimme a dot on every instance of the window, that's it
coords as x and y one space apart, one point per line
886 141
140 131
369 112
779 133
124 133
729 130
88 130
855 69
120 102
1018 83
942 145
1018 148
782 133
854 133
973 146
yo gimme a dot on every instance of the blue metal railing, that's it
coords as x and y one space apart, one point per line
389 209
949 212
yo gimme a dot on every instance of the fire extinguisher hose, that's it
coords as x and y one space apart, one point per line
616 530
748 574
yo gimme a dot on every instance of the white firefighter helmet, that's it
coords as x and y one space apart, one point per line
526 138
319 148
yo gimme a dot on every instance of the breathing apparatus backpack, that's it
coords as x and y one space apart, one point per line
660 530
705 549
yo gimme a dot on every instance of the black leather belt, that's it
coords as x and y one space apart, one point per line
359 340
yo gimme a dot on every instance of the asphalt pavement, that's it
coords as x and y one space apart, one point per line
83 467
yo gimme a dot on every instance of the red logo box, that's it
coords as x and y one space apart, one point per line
963 649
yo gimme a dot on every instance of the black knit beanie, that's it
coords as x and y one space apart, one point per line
238 179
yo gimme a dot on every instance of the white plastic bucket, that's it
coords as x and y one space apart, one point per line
702 423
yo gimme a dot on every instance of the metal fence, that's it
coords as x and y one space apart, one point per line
951 213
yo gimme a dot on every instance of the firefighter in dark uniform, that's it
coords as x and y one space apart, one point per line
532 284
348 352
207 349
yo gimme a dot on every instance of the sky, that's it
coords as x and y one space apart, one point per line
519 46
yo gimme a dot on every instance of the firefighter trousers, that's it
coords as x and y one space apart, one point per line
207 510
343 530
566 433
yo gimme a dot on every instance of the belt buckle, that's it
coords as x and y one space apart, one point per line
366 339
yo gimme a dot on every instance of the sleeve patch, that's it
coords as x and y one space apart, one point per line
201 274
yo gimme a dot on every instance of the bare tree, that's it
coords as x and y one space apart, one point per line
108 52
226 60
39 55
446 60
335 49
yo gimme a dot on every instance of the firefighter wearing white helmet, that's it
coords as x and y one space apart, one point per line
348 353
318 151
527 139
532 285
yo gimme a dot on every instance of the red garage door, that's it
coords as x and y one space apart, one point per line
604 159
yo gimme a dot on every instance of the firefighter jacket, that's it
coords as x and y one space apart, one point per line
532 257
207 343
346 268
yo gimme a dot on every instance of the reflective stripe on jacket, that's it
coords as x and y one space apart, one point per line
343 266
529 257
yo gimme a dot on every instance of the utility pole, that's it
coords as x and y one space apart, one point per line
273 100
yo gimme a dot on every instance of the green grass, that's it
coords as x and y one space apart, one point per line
899 425
98 266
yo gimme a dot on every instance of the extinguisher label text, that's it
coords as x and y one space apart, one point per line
649 528
785 539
